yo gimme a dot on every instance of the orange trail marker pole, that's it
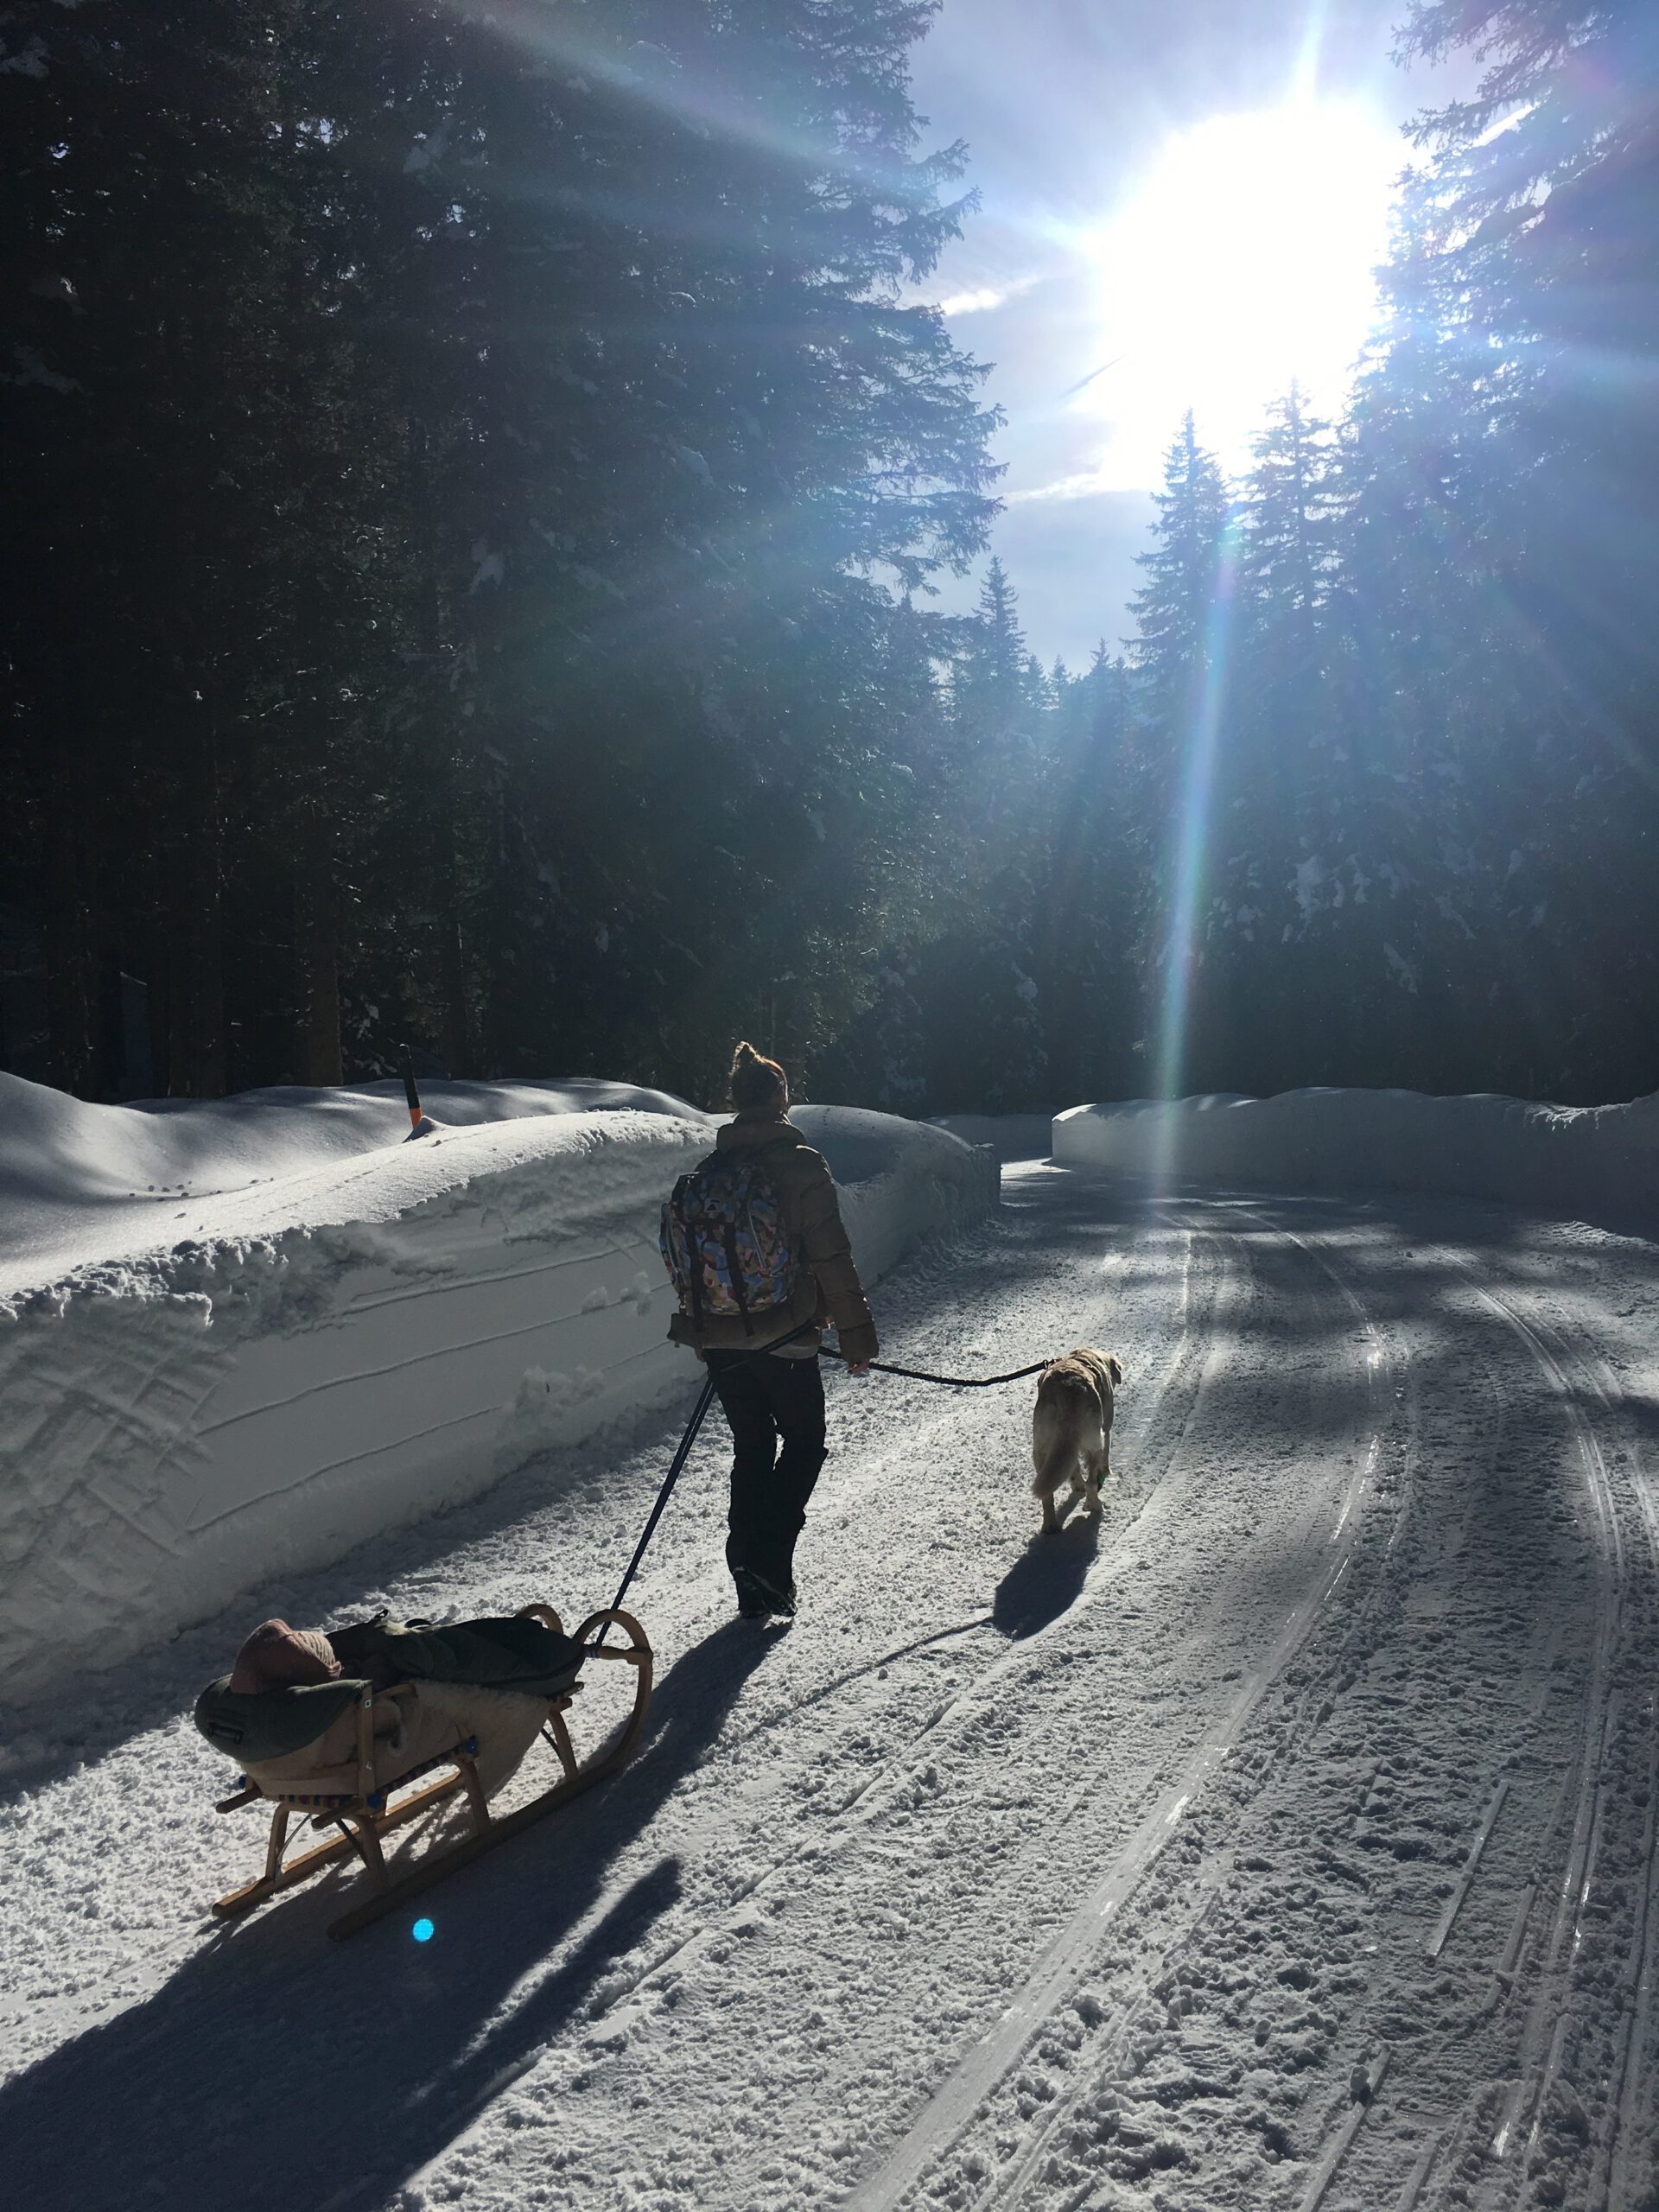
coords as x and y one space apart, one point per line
407 1068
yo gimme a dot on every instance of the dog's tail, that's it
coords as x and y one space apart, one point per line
1055 1432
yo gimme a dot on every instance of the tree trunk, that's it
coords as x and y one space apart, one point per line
456 1011
195 965
71 933
316 946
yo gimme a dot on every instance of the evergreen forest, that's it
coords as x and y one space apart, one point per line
476 482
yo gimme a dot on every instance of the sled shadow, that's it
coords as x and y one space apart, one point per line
1047 1579
276 2069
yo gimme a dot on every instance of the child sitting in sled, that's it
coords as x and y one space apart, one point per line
412 1720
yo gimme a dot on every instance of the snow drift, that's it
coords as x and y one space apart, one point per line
82 1184
341 1347
1588 1161
1010 1136
901 1181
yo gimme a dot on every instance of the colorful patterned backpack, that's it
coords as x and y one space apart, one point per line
724 1242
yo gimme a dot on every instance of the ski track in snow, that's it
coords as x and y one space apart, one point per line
1289 1838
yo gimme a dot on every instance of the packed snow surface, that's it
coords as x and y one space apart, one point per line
327 1346
1287 1836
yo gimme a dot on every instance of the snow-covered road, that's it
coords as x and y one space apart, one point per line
1084 1872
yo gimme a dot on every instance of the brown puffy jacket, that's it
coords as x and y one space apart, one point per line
830 1289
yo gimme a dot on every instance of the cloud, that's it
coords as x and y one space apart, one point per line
1086 484
988 295
982 297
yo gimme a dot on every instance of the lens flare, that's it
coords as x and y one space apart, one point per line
422 1931
1246 259
1193 832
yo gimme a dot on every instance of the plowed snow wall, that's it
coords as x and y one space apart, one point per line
178 1429
1596 1162
901 1181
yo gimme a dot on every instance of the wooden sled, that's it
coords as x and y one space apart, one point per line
365 1816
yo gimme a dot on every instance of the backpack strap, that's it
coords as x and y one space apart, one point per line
693 1272
737 1277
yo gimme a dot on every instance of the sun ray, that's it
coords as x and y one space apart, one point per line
1192 826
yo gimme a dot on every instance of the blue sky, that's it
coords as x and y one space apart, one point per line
1088 123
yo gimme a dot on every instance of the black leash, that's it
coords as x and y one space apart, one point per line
878 1367
951 1381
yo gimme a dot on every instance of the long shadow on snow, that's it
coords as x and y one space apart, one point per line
1075 1206
278 2070
106 1711
1047 1579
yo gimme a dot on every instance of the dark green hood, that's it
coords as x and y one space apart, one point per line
503 1653
272 1724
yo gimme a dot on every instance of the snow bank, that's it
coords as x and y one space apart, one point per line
82 1184
1586 1161
901 1181
1010 1136
346 1340
175 1429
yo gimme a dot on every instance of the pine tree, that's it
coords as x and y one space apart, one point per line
1093 852
1504 556
984 1045
1180 607
1182 657
1286 548
474 468
989 684
1281 863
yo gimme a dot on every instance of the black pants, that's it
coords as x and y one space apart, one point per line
769 1400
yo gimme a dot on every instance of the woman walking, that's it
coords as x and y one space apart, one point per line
755 1241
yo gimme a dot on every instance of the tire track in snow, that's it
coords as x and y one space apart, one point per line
1180 1383
630 1997
953 2107
1029 2165
1584 1805
801 2162
1198 1356
1616 2181
1539 2045
1619 2181
1579 1375
1110 2033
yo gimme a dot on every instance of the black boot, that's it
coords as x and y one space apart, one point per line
751 1601
772 1597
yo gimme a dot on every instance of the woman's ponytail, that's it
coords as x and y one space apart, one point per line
756 1081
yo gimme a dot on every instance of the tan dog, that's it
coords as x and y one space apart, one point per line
1071 1430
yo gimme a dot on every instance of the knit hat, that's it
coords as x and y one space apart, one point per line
756 1081
276 1656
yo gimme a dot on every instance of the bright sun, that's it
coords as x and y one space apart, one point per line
1244 260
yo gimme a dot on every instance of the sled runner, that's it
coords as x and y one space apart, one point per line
519 1676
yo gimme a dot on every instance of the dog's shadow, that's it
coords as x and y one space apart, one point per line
1046 1579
